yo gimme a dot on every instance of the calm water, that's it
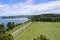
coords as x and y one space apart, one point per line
15 20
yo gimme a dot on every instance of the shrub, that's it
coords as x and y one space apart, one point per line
41 37
1 26
6 36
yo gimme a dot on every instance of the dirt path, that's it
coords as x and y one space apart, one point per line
16 33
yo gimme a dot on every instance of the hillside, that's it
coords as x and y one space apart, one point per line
46 17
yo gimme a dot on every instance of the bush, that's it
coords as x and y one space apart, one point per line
6 36
41 37
2 31
1 26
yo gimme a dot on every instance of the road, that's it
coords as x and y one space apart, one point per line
16 33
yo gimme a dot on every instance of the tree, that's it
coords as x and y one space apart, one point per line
2 30
46 18
10 25
13 25
1 26
4 35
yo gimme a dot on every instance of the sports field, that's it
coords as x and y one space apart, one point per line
49 29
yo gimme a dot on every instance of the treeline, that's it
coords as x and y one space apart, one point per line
20 16
12 25
46 18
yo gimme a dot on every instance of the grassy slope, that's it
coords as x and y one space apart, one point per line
18 27
50 30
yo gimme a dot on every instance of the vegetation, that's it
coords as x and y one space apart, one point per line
41 37
46 18
49 29
10 25
1 26
4 35
20 16
17 26
2 30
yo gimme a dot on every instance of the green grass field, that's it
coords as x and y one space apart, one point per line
49 29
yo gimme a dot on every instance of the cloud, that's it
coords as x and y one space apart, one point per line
1 6
28 8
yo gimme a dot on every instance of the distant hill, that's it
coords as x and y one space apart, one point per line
46 17
30 16
21 16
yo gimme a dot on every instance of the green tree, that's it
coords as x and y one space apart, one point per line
2 30
13 25
4 35
10 25
1 26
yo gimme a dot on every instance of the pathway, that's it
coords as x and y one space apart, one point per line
16 33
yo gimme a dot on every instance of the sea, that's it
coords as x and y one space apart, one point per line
15 20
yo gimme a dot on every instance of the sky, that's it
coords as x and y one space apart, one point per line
28 7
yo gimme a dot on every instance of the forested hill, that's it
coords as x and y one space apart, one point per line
46 17
19 16
51 15
41 17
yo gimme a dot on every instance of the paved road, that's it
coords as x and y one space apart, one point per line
16 33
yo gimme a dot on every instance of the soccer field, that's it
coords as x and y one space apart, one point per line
49 29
